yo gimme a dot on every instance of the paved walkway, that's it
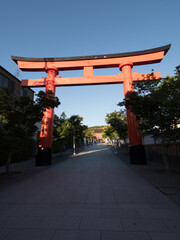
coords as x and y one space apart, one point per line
90 196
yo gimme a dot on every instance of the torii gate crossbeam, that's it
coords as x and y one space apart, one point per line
124 61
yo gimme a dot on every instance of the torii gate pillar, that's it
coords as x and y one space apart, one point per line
45 143
137 151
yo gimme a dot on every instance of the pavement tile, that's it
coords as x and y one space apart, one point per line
93 196
101 205
95 183
144 225
13 210
69 205
173 224
66 196
49 198
169 205
122 196
136 196
107 196
164 236
117 185
135 205
101 224
29 234
118 235
159 213
20 222
80 198
3 233
60 223
80 195
155 197
76 235
47 212
86 213
119 213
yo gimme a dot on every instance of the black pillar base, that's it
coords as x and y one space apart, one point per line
43 157
137 155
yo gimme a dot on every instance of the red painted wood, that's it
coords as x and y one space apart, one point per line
47 120
123 60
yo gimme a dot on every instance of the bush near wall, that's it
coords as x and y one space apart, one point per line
172 151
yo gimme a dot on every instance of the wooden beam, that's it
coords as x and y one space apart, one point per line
143 57
82 81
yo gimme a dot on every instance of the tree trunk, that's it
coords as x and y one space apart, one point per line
8 162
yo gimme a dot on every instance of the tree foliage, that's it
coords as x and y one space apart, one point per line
109 132
19 116
65 128
118 122
46 100
156 105
88 134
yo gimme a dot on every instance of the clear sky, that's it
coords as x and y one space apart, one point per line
64 28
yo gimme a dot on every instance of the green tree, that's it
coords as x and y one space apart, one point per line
108 131
60 132
76 127
88 134
156 104
46 100
19 116
66 128
118 121
58 121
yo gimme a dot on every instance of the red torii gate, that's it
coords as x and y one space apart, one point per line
125 62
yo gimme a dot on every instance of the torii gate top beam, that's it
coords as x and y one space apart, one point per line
149 56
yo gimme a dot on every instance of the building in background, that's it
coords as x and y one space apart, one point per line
13 84
97 133
7 80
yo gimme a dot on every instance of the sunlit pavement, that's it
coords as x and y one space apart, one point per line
92 195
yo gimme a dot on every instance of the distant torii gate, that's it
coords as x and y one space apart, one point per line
124 61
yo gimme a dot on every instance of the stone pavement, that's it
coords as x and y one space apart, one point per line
168 182
90 196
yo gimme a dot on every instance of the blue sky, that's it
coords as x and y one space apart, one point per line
64 28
